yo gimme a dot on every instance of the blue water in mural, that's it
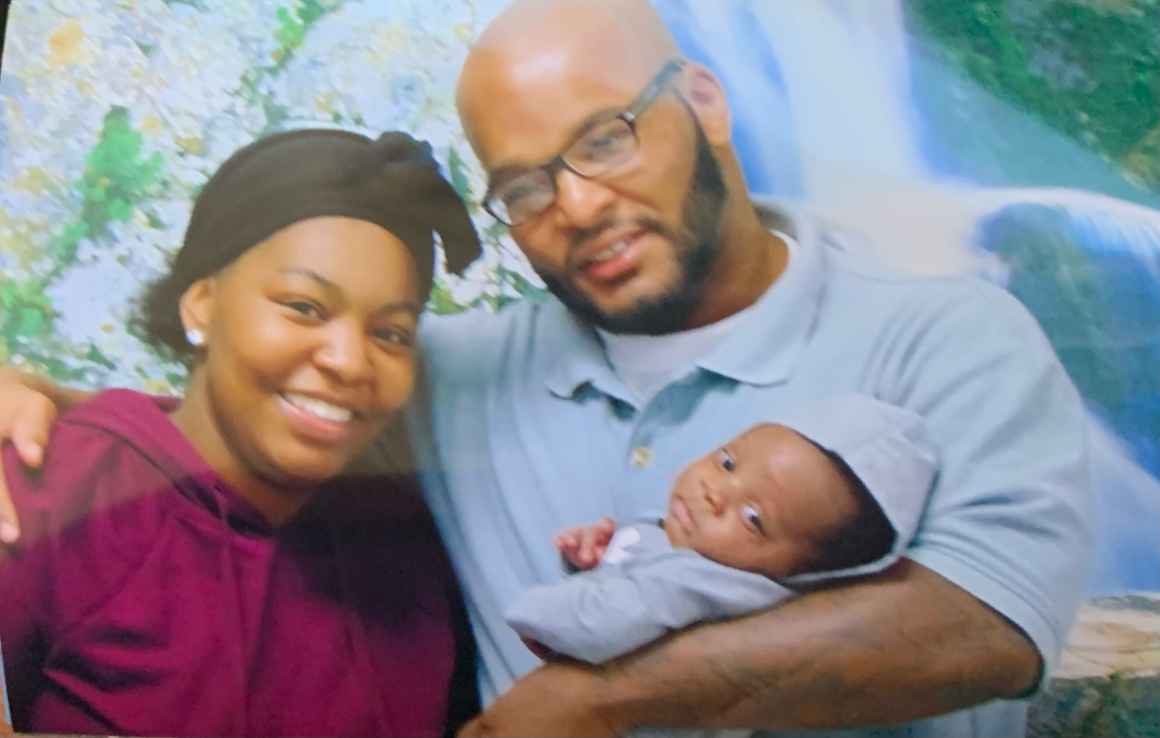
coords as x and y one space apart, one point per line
1093 282
757 92
842 82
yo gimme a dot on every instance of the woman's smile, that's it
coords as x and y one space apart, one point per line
320 421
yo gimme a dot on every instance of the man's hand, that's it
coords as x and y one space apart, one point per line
28 408
584 545
26 418
5 728
563 698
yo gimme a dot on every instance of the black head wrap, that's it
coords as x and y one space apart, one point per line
288 177
393 182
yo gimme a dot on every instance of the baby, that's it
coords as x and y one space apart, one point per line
834 491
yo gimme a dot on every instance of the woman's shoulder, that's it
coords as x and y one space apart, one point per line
119 411
101 454
121 426
94 512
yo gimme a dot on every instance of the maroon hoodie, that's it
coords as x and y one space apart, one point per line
149 598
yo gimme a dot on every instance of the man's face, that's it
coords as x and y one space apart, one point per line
622 291
630 251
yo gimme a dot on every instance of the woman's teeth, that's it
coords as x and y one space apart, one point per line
320 408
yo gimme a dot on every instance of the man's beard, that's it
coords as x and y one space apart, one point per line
695 249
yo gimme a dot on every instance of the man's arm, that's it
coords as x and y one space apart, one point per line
60 397
28 407
892 648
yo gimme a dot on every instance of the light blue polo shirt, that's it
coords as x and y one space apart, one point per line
522 428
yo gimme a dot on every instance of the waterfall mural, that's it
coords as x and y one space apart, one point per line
955 138
847 121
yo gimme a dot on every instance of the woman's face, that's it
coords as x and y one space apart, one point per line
310 347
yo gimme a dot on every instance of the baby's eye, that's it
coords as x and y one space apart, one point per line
752 518
725 459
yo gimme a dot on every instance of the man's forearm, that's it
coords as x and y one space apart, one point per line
62 397
897 647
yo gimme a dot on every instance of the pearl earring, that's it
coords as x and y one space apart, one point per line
195 337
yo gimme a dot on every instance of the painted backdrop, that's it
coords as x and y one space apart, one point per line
1014 139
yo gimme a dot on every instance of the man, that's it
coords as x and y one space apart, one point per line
684 315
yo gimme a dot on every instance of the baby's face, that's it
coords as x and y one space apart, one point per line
764 502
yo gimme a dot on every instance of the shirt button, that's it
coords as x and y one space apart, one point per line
642 457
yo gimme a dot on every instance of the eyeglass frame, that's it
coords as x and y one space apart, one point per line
643 101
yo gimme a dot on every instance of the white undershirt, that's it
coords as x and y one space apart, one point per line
647 363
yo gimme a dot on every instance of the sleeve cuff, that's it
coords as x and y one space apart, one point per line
1035 625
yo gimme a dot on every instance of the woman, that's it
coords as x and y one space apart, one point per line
198 567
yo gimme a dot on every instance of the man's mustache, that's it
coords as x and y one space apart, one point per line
583 237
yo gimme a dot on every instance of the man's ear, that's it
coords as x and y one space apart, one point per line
706 96
196 308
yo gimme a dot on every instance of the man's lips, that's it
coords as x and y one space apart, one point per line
612 258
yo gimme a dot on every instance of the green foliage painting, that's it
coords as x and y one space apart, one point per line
118 176
99 177
1089 69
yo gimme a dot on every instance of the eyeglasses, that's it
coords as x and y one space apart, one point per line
604 147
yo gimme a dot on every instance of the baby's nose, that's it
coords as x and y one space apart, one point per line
713 499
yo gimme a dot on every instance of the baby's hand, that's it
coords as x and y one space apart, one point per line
584 545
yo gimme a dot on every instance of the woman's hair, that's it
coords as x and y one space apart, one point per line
289 177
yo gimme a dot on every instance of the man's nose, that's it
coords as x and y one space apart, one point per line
582 202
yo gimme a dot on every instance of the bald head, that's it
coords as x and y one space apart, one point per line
539 53
631 26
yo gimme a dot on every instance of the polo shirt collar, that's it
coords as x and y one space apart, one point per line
581 359
765 348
